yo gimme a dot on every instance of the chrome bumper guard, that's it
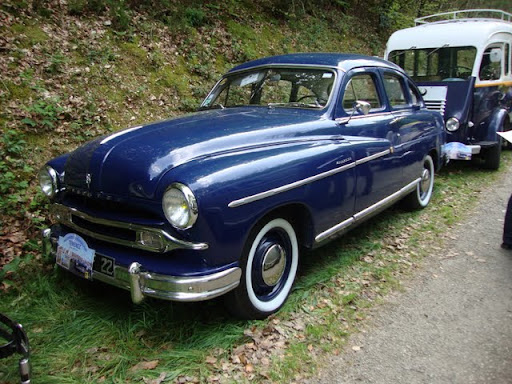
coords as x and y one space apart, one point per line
143 284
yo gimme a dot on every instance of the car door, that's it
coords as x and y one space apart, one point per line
410 123
378 167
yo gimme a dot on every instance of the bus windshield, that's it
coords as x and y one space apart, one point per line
436 64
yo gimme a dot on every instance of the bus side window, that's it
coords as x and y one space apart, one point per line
507 59
490 68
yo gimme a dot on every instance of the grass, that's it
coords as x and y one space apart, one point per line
83 333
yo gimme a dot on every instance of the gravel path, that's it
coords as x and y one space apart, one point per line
453 322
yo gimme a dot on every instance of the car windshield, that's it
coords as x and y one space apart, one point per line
273 87
436 64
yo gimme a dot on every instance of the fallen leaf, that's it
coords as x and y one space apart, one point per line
158 380
143 365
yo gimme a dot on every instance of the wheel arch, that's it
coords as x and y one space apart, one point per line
299 217
500 119
436 156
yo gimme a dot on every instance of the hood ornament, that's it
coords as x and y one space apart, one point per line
88 179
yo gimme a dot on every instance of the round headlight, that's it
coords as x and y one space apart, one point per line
452 124
180 206
48 181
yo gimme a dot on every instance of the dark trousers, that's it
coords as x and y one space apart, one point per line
507 228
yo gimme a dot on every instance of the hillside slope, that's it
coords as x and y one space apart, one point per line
71 71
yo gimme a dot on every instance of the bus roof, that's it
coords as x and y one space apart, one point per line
454 33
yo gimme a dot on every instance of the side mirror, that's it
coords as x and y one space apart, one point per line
362 107
423 91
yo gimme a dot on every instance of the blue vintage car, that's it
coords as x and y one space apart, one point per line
286 152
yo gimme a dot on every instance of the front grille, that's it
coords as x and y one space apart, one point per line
436 105
96 228
150 237
99 206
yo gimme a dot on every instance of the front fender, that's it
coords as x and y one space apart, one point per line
306 171
496 122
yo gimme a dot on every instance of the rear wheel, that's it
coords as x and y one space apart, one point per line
269 266
420 197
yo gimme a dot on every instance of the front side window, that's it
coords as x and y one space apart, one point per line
361 88
490 67
415 96
436 64
275 87
395 90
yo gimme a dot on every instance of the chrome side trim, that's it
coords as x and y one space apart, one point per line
373 157
300 183
287 187
64 215
367 212
337 228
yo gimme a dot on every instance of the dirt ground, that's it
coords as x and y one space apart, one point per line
453 321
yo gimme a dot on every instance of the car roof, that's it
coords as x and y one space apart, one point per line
456 33
343 61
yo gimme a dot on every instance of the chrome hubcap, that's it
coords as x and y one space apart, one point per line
274 263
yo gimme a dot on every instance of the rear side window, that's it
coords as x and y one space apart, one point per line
361 88
395 90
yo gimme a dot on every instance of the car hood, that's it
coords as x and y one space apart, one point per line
132 161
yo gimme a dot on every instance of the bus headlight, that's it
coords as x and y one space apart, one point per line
452 124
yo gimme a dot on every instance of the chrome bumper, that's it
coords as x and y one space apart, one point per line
144 283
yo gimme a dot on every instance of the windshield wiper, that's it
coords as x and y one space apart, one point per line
437 49
214 106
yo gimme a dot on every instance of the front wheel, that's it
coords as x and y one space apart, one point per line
492 157
269 265
420 197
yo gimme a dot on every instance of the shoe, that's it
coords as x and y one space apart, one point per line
506 246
